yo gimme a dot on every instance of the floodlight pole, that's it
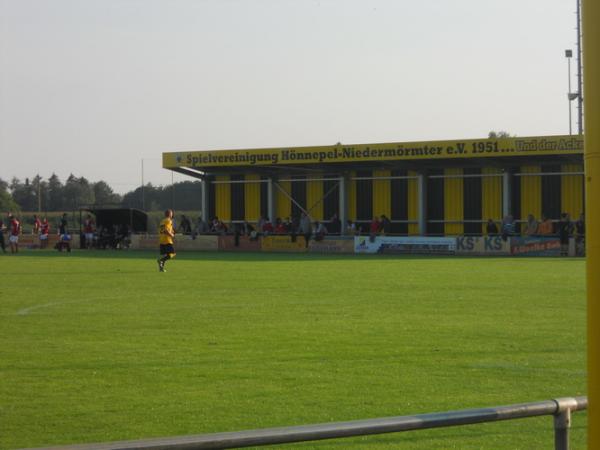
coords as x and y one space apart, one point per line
579 73
591 53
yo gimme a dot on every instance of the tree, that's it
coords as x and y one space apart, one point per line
499 135
77 192
23 194
6 201
104 194
55 188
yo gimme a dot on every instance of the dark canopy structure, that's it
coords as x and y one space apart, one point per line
134 219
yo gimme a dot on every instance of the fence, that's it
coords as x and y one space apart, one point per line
560 408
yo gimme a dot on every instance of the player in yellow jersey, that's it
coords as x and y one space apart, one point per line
166 233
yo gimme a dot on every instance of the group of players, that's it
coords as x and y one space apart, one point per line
41 228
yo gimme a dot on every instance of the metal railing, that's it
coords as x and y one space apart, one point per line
560 408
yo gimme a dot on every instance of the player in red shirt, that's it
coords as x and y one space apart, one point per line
37 224
44 232
88 229
15 231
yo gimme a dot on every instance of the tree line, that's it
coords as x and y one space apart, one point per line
52 194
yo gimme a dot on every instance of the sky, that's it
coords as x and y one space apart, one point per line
99 88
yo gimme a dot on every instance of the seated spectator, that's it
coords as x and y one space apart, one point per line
351 228
335 225
491 228
320 231
279 227
545 228
64 243
508 226
218 226
261 223
267 227
532 225
201 227
185 226
375 226
385 226
287 223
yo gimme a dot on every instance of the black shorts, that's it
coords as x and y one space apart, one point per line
166 249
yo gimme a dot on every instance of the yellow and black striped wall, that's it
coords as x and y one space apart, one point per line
458 200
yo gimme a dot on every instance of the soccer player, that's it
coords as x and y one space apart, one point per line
44 232
15 231
88 229
166 233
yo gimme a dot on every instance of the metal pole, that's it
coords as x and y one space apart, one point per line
143 203
569 97
506 194
591 52
343 203
422 204
579 71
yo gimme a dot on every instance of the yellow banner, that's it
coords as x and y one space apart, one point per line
397 151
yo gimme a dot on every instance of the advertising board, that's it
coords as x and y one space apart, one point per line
332 246
535 246
482 245
283 244
405 245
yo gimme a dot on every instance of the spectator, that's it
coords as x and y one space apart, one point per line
491 228
374 227
44 233
261 222
532 225
2 243
280 227
385 226
15 231
508 226
351 228
247 229
335 225
287 223
320 231
305 228
545 228
201 227
580 231
37 224
88 230
185 226
565 228
267 227
218 226
64 240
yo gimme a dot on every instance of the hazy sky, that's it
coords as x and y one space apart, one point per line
93 87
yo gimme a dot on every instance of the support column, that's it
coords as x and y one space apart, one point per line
270 199
506 194
422 182
204 199
591 91
343 203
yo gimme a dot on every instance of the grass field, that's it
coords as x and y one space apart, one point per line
100 346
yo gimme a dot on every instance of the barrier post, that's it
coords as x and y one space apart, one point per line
591 94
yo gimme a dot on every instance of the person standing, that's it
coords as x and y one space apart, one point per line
44 233
565 228
305 228
15 231
88 230
2 243
166 233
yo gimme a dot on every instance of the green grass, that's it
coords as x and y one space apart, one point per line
100 346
